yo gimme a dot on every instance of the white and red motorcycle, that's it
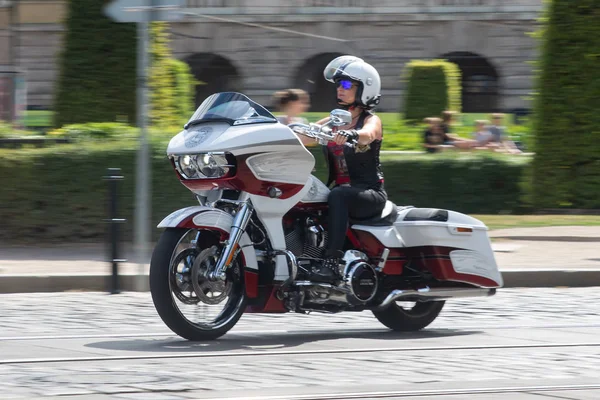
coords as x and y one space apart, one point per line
261 227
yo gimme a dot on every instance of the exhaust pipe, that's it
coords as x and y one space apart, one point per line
428 294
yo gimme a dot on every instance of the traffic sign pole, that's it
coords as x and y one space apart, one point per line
143 172
143 12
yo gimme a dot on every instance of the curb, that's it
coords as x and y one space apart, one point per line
70 283
130 283
585 239
545 278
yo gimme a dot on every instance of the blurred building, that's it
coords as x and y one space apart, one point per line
488 39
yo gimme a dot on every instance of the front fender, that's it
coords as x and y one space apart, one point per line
212 219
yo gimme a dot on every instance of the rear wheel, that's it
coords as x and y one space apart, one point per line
189 304
400 317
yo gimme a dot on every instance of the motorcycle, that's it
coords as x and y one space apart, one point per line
260 229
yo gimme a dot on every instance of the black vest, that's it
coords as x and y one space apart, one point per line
364 168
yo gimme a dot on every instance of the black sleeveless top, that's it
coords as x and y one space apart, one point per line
363 165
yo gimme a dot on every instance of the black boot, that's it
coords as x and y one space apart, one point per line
329 271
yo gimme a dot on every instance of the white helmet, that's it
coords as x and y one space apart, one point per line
369 83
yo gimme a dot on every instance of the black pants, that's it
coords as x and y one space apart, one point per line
345 201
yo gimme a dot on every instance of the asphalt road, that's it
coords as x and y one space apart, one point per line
538 344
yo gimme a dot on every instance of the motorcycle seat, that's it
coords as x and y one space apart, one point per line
386 218
427 214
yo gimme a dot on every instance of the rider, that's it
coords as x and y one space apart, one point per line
355 171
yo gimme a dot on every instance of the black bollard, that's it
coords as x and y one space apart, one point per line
113 176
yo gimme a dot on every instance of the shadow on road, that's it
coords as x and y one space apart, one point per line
278 341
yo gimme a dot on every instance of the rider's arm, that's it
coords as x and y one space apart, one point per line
371 131
307 141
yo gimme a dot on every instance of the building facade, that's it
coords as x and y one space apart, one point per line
260 46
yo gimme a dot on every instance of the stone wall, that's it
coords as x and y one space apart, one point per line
387 33
36 44
268 60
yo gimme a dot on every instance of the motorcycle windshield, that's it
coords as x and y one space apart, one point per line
233 108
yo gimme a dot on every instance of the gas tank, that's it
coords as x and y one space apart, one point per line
317 193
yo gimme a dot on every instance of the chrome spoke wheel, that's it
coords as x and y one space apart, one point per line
190 304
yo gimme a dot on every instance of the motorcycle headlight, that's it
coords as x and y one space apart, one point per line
203 166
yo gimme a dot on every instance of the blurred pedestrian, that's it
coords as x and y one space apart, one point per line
292 103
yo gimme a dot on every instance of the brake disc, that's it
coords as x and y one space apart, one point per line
209 292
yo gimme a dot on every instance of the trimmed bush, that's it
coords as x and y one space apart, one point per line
95 130
431 87
58 194
566 169
170 81
184 88
96 82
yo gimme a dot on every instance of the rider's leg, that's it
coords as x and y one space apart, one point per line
343 201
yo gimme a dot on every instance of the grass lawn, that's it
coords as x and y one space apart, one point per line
398 135
529 221
38 118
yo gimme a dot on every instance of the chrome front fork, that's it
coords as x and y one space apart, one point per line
240 222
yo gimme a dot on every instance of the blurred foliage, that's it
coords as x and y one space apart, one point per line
57 194
95 130
184 85
465 182
8 131
431 87
398 135
97 65
170 81
566 169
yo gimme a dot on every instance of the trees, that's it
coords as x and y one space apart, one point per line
98 69
566 169
96 80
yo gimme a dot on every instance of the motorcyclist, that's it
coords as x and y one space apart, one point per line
356 172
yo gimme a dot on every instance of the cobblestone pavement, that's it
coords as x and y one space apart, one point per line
99 313
514 317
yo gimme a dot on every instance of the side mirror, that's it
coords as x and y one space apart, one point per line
340 117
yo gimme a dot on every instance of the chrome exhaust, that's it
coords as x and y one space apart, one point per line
429 294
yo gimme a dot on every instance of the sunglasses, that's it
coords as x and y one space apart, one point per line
344 83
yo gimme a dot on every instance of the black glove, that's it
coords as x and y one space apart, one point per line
351 135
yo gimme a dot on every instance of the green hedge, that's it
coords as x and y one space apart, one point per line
96 82
57 194
431 87
95 130
475 183
566 169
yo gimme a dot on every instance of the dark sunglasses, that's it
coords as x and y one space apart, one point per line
344 83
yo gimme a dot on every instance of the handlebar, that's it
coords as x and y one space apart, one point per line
322 133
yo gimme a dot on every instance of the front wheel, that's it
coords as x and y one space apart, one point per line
190 305
401 318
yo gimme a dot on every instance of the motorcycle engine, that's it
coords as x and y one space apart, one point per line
357 287
361 281
360 278
306 238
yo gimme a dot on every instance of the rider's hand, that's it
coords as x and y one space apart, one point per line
347 135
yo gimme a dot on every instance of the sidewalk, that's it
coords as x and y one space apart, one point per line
530 257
